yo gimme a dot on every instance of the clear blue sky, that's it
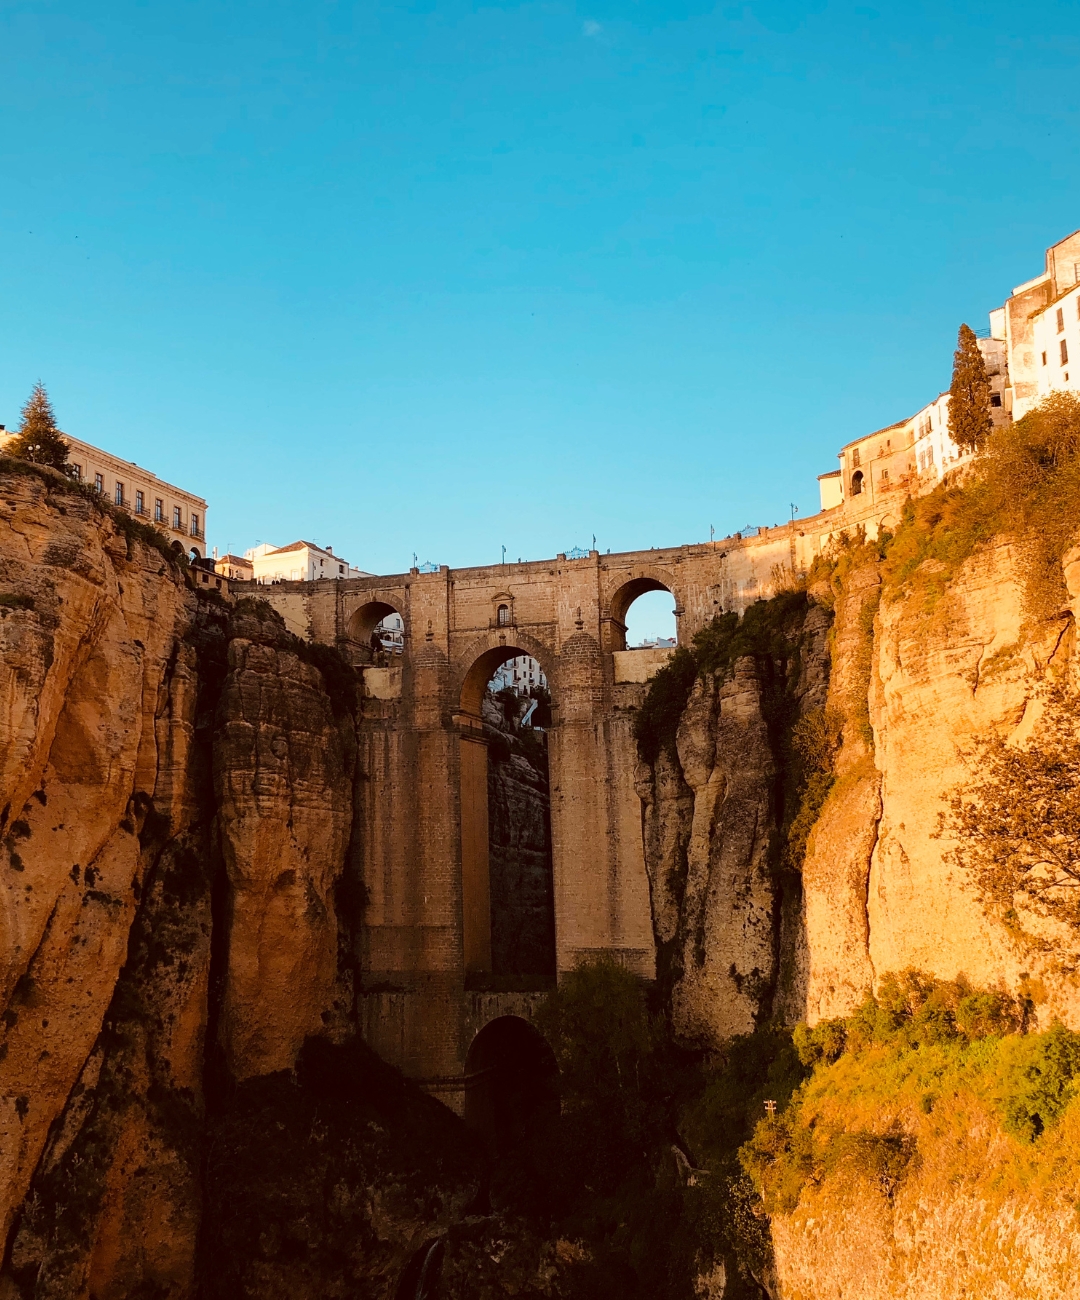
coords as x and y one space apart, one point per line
438 277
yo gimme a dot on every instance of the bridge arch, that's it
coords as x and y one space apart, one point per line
486 653
620 600
363 627
479 918
511 1085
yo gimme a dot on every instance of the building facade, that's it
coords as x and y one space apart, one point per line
180 514
519 675
1039 327
1032 350
236 567
298 562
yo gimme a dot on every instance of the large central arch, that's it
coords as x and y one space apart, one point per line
480 663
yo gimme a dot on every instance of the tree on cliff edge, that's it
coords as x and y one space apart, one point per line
969 394
38 439
1017 823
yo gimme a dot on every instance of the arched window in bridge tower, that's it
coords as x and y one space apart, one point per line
856 483
502 616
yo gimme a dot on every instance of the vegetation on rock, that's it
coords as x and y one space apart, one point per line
919 1066
643 1169
1024 486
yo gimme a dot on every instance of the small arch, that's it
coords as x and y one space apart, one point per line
624 597
511 1085
857 483
379 629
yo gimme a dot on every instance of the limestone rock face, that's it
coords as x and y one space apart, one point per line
836 971
969 667
722 909
89 668
176 813
283 778
935 1237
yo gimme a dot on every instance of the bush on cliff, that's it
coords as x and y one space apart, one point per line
920 1069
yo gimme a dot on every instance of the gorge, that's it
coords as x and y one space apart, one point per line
259 905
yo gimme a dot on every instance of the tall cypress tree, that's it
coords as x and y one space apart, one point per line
38 439
969 394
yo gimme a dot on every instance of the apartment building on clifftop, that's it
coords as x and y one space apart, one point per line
1032 349
179 514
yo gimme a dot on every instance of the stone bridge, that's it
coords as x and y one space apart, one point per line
428 985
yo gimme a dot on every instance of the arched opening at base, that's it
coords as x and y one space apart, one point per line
512 1086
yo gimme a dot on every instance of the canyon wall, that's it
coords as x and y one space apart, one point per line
909 685
907 677
178 847
182 912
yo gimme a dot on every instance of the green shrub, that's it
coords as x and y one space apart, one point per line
1043 1078
657 721
920 1047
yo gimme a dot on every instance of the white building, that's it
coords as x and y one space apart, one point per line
519 675
298 562
179 514
1039 328
1033 350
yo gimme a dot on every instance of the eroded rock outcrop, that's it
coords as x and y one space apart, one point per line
723 904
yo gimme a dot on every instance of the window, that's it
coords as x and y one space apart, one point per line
194 524
76 473
1060 319
294 574
341 568
1044 358
856 483
502 616
119 493
99 483
1064 353
140 506
995 399
855 456
176 522
884 476
159 510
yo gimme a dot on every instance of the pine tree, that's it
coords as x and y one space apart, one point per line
969 394
38 439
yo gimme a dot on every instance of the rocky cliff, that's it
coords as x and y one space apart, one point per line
180 905
901 670
753 926
178 910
